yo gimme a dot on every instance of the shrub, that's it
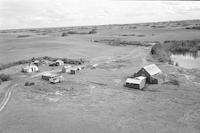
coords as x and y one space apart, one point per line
5 77
64 34
172 81
93 31
21 36
72 32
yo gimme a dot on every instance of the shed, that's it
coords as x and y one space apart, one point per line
149 72
59 62
73 70
66 69
56 79
48 76
136 83
30 68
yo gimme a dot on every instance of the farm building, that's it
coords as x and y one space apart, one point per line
74 70
59 63
30 68
136 83
66 69
56 79
150 73
47 76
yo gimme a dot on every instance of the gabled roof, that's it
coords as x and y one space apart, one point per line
136 80
152 69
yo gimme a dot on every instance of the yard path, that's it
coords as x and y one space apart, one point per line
7 96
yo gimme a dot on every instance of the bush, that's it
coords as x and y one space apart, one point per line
64 34
72 32
22 36
93 31
5 77
172 82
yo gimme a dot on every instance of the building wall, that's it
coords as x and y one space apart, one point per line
135 86
149 78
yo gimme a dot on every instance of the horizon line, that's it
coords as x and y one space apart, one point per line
91 25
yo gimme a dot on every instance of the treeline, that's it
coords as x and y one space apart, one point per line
92 31
162 52
193 28
183 45
119 42
41 59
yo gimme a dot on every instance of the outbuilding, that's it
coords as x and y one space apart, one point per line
56 79
136 83
30 68
59 63
150 73
48 76
73 70
66 69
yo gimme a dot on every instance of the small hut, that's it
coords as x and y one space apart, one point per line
30 68
66 69
56 79
73 70
59 63
48 76
136 83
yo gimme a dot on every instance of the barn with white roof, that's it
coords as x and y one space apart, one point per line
150 72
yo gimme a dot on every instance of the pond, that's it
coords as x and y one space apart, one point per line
187 60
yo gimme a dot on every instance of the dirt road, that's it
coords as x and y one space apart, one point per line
7 97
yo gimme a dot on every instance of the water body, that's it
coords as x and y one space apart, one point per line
187 60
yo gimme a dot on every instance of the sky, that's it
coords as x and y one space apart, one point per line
15 14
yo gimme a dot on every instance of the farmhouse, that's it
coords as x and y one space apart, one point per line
66 69
136 83
150 73
59 62
30 68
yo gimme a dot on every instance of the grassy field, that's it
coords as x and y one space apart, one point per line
94 100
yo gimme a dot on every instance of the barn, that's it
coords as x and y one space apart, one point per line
150 73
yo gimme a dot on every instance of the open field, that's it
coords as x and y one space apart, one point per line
94 100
